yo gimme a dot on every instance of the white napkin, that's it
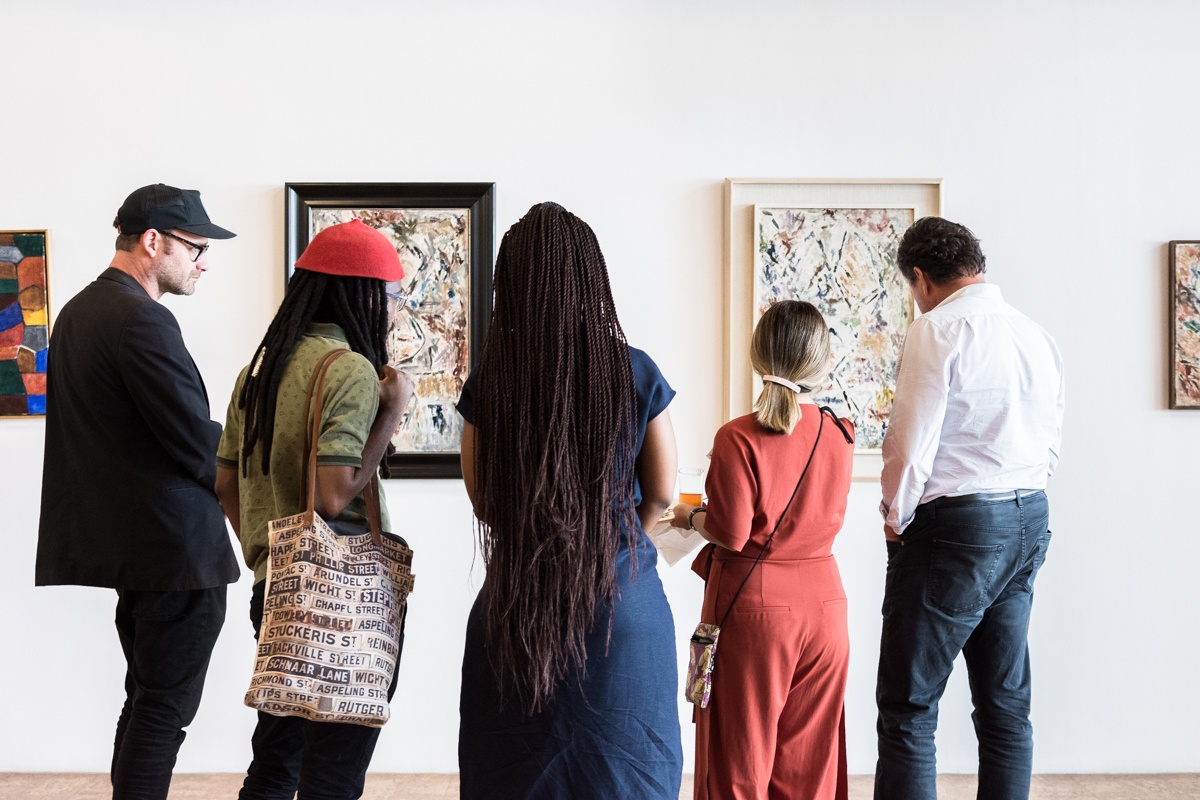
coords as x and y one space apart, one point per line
674 543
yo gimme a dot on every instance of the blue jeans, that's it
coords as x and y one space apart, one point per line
961 580
167 638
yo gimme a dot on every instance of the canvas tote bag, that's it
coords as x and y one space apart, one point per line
334 607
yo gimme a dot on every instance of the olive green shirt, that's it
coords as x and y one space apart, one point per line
351 401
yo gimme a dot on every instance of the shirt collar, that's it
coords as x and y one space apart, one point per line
983 291
327 330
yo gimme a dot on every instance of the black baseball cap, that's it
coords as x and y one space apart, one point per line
165 208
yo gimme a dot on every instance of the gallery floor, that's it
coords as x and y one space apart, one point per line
44 786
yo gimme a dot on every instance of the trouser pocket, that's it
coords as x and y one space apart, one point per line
1039 557
960 576
1035 563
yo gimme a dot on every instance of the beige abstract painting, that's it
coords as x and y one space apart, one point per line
843 261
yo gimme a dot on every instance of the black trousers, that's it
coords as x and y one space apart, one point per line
322 760
168 638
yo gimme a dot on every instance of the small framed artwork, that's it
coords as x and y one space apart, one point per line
443 233
831 243
24 322
1185 323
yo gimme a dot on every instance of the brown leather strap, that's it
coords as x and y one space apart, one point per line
308 492
316 403
374 512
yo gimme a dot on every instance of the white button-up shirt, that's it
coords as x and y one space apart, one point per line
978 407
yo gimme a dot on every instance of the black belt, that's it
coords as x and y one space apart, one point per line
986 497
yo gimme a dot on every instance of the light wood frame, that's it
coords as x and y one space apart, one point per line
1185 312
924 196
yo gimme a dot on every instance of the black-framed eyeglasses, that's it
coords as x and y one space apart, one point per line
199 248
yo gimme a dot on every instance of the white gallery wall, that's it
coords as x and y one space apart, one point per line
1065 132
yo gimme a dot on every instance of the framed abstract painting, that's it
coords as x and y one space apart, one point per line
443 233
833 244
1185 323
24 322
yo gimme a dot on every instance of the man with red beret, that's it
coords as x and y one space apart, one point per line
340 297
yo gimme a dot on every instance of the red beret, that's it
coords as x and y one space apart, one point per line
354 250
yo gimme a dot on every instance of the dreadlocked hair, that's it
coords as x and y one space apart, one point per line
357 305
555 453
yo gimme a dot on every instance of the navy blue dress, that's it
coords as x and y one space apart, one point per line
616 735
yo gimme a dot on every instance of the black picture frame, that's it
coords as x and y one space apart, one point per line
301 199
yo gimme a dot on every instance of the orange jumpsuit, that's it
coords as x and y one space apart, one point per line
775 726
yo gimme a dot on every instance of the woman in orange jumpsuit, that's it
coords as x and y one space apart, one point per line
775 725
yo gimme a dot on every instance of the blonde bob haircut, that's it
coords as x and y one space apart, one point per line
791 341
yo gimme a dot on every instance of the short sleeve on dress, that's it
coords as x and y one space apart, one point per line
732 488
654 394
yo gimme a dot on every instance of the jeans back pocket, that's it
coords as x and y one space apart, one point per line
960 576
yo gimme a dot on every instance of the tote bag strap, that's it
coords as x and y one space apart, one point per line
374 514
761 553
316 404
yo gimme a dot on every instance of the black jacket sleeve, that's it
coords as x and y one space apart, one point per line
168 391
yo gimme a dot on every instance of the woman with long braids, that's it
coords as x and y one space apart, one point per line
337 299
568 680
777 488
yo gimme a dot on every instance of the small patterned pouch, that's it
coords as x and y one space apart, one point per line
702 657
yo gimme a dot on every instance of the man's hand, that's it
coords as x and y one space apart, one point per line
395 389
890 534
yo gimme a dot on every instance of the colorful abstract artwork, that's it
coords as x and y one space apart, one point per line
431 328
24 323
1185 324
443 233
843 261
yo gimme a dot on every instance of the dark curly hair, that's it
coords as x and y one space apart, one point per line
943 250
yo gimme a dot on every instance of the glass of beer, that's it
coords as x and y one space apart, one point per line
691 486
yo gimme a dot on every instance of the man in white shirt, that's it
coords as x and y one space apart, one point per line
973 435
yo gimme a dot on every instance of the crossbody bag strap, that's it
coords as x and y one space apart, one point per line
761 553
845 433
316 404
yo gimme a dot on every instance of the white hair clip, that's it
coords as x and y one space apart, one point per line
786 383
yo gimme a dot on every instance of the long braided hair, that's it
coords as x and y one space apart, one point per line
357 305
554 452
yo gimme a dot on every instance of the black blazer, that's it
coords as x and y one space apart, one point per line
127 488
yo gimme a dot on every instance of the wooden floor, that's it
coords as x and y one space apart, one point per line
45 786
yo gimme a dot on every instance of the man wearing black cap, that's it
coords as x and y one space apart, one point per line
130 463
